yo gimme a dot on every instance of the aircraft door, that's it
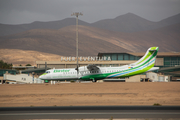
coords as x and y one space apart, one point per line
81 73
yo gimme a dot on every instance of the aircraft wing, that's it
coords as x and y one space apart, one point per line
91 67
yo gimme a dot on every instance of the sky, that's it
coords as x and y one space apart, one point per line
28 11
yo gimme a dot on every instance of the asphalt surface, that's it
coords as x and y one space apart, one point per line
90 112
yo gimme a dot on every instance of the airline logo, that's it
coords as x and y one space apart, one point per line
55 71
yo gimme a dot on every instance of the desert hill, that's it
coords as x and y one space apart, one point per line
92 40
169 21
166 38
13 29
124 23
58 38
60 42
23 57
132 23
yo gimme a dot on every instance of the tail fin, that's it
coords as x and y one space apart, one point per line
146 63
150 55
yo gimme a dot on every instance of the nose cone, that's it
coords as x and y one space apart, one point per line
41 77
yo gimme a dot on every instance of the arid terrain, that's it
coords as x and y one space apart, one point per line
23 57
81 94
46 41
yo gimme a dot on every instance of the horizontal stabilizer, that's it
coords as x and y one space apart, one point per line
153 69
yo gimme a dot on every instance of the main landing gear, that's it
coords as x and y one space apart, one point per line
93 80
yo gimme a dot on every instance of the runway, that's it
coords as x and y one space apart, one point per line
90 112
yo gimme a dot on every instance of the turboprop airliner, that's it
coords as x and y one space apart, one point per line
93 73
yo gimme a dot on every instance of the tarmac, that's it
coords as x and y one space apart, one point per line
92 112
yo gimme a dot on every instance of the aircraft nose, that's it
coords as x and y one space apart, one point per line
40 77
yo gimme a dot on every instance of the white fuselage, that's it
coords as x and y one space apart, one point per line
71 73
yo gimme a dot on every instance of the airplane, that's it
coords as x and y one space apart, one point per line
93 73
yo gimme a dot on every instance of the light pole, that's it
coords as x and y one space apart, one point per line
77 14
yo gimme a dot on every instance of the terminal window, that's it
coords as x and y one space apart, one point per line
171 61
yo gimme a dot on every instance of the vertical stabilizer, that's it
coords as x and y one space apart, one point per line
150 54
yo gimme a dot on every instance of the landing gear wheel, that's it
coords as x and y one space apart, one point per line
94 80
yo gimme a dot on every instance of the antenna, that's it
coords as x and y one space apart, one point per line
77 14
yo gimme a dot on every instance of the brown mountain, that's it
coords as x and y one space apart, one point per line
13 29
92 40
123 23
61 42
132 23
166 38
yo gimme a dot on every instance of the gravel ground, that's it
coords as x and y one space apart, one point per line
82 94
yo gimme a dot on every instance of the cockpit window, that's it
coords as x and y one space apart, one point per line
47 72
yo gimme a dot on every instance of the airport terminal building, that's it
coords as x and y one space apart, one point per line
169 64
164 59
